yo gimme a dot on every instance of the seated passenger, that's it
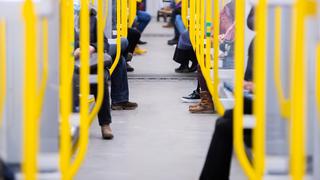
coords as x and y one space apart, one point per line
218 161
119 79
176 11
142 21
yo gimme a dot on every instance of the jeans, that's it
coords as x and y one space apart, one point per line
133 38
179 24
143 19
218 161
119 78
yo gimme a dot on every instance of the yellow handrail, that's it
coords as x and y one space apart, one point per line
133 11
184 12
283 102
30 141
239 71
318 77
298 91
3 67
84 88
119 34
192 23
66 63
100 51
124 18
260 79
215 94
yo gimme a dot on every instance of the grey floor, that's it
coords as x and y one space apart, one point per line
160 140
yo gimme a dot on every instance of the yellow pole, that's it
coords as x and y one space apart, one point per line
192 23
3 67
239 72
124 18
216 24
84 88
298 91
133 11
119 34
100 61
66 63
283 102
30 141
318 78
260 79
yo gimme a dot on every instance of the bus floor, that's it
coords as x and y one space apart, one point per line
160 140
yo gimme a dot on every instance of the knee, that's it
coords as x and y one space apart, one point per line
124 43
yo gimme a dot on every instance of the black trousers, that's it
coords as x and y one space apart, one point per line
218 161
133 38
104 114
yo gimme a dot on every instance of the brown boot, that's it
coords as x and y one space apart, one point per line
106 132
205 105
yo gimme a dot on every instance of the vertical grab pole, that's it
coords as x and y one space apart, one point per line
216 24
100 50
239 71
66 63
84 88
124 7
283 102
119 34
133 11
298 91
318 78
260 79
3 67
30 146
184 12
192 23
208 33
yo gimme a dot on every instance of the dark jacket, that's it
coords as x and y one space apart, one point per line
93 34
249 71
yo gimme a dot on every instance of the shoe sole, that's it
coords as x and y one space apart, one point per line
108 137
202 112
123 108
190 100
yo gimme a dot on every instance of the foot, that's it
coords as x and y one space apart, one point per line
193 67
129 57
129 68
169 25
141 42
204 106
106 132
182 69
124 106
194 97
139 51
173 41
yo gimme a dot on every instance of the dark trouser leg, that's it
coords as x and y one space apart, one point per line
119 83
133 38
218 161
202 81
104 114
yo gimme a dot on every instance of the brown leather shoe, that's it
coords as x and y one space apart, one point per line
124 106
106 132
205 106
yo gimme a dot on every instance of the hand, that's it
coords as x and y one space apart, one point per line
76 53
248 85
92 50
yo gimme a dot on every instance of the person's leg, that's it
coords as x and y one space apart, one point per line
133 38
179 24
143 20
218 161
119 83
104 114
113 48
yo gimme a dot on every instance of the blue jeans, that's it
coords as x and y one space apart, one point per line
143 19
119 78
179 24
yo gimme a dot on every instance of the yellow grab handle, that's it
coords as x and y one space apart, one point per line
124 17
216 24
84 88
66 63
298 92
3 67
133 11
239 72
260 79
283 102
30 141
100 51
318 77
119 34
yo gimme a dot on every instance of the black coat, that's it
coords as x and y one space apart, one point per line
93 34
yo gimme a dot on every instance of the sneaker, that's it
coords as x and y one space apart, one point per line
129 68
129 57
173 41
139 51
106 132
194 97
124 106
